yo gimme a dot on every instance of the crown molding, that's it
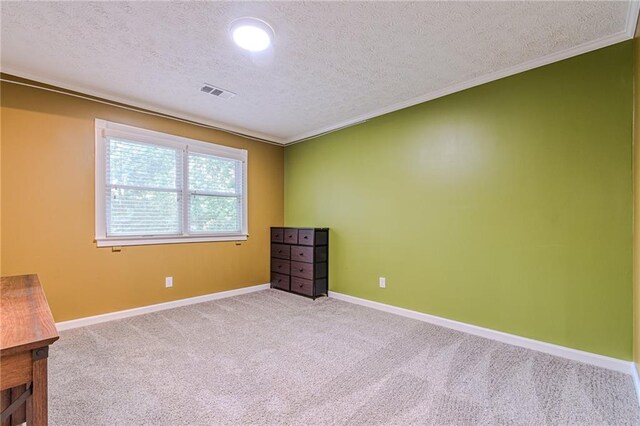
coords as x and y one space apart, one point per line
241 131
626 34
632 18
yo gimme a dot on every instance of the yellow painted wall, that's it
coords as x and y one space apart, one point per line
47 211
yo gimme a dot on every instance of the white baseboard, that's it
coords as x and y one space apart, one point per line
81 322
615 364
636 380
609 363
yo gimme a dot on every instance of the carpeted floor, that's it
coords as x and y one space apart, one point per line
270 358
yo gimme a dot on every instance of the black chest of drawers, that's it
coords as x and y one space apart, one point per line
300 260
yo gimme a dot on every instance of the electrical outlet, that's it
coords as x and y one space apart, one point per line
168 282
383 282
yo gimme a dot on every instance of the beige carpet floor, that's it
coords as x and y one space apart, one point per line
271 358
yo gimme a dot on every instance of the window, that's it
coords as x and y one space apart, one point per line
155 188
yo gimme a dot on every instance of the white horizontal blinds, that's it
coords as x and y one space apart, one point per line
152 186
143 188
215 194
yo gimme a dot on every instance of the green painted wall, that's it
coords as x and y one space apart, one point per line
507 206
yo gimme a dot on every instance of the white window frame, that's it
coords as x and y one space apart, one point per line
106 128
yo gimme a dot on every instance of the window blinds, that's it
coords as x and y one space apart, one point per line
215 194
143 188
162 190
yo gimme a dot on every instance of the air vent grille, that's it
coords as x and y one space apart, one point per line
216 91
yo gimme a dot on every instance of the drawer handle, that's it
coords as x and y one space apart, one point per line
277 236
279 266
280 281
279 251
301 254
305 237
301 285
301 269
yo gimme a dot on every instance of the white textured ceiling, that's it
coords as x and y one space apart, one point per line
333 63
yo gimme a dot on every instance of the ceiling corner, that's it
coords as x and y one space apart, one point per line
632 18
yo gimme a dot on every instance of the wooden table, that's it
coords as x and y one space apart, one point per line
26 331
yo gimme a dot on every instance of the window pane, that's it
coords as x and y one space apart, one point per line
214 174
143 165
140 212
214 214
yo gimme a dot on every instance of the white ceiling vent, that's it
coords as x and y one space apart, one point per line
216 91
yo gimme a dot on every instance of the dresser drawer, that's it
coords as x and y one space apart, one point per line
311 237
309 254
302 270
302 286
302 254
306 236
281 266
277 235
281 251
308 270
291 236
280 281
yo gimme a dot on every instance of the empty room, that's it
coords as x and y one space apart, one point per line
319 213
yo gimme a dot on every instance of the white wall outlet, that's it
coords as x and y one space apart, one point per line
168 282
383 282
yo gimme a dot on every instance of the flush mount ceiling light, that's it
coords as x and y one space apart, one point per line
251 34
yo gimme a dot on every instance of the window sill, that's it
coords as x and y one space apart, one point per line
137 241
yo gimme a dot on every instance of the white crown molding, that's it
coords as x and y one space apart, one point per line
142 105
111 316
597 360
626 34
526 66
632 18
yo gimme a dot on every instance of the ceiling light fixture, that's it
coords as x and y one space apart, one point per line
251 34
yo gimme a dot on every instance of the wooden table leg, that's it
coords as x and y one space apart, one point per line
19 416
29 405
5 401
39 398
